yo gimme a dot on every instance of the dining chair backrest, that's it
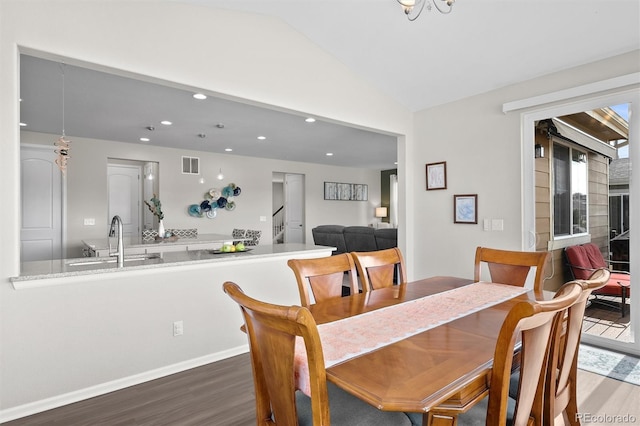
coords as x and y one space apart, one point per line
511 267
560 387
324 276
377 269
272 331
534 321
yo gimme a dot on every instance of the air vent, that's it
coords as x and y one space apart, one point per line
190 165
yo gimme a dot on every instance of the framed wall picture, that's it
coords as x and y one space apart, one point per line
346 191
436 175
465 208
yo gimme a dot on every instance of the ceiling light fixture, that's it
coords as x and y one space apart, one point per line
200 96
329 154
166 122
228 149
220 175
310 120
23 124
413 8
144 139
262 138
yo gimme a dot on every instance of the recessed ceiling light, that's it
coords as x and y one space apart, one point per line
310 120
329 154
166 122
228 149
23 124
262 138
200 96
144 139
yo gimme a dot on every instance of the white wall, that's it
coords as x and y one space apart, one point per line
483 150
69 338
87 189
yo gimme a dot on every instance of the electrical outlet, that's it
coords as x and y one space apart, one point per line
89 221
178 328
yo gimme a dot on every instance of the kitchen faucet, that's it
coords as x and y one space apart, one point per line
112 231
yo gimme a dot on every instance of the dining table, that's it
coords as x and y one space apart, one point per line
424 346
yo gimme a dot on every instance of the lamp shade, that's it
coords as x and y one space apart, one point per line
381 212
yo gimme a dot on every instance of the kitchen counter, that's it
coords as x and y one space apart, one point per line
135 245
53 272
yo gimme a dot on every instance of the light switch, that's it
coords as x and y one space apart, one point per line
497 224
486 225
263 218
89 221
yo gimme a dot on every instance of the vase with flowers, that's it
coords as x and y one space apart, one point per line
155 207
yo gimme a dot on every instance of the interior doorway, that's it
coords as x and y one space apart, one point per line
42 187
288 200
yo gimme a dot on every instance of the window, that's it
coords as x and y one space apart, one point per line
570 198
618 214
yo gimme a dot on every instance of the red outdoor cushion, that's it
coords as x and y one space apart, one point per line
586 258
595 256
612 288
577 256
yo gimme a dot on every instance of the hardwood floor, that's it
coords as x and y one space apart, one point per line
221 394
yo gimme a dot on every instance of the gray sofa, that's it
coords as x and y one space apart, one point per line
354 238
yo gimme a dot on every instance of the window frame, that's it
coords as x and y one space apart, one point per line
571 147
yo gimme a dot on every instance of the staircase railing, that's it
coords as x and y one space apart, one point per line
278 223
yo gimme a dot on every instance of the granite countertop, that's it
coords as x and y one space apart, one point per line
44 270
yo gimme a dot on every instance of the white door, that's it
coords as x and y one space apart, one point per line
125 190
41 204
294 208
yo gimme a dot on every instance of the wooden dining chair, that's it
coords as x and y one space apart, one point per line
512 267
324 276
272 331
560 387
535 321
377 269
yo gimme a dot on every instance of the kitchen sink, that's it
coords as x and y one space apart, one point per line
105 260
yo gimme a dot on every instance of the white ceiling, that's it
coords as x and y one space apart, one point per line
482 45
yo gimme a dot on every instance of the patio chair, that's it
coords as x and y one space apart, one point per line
583 260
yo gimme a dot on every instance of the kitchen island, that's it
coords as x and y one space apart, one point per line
58 271
104 328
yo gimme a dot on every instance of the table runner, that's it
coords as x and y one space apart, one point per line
353 336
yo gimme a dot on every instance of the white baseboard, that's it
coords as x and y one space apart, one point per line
103 388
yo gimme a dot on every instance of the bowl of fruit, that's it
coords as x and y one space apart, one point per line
232 248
